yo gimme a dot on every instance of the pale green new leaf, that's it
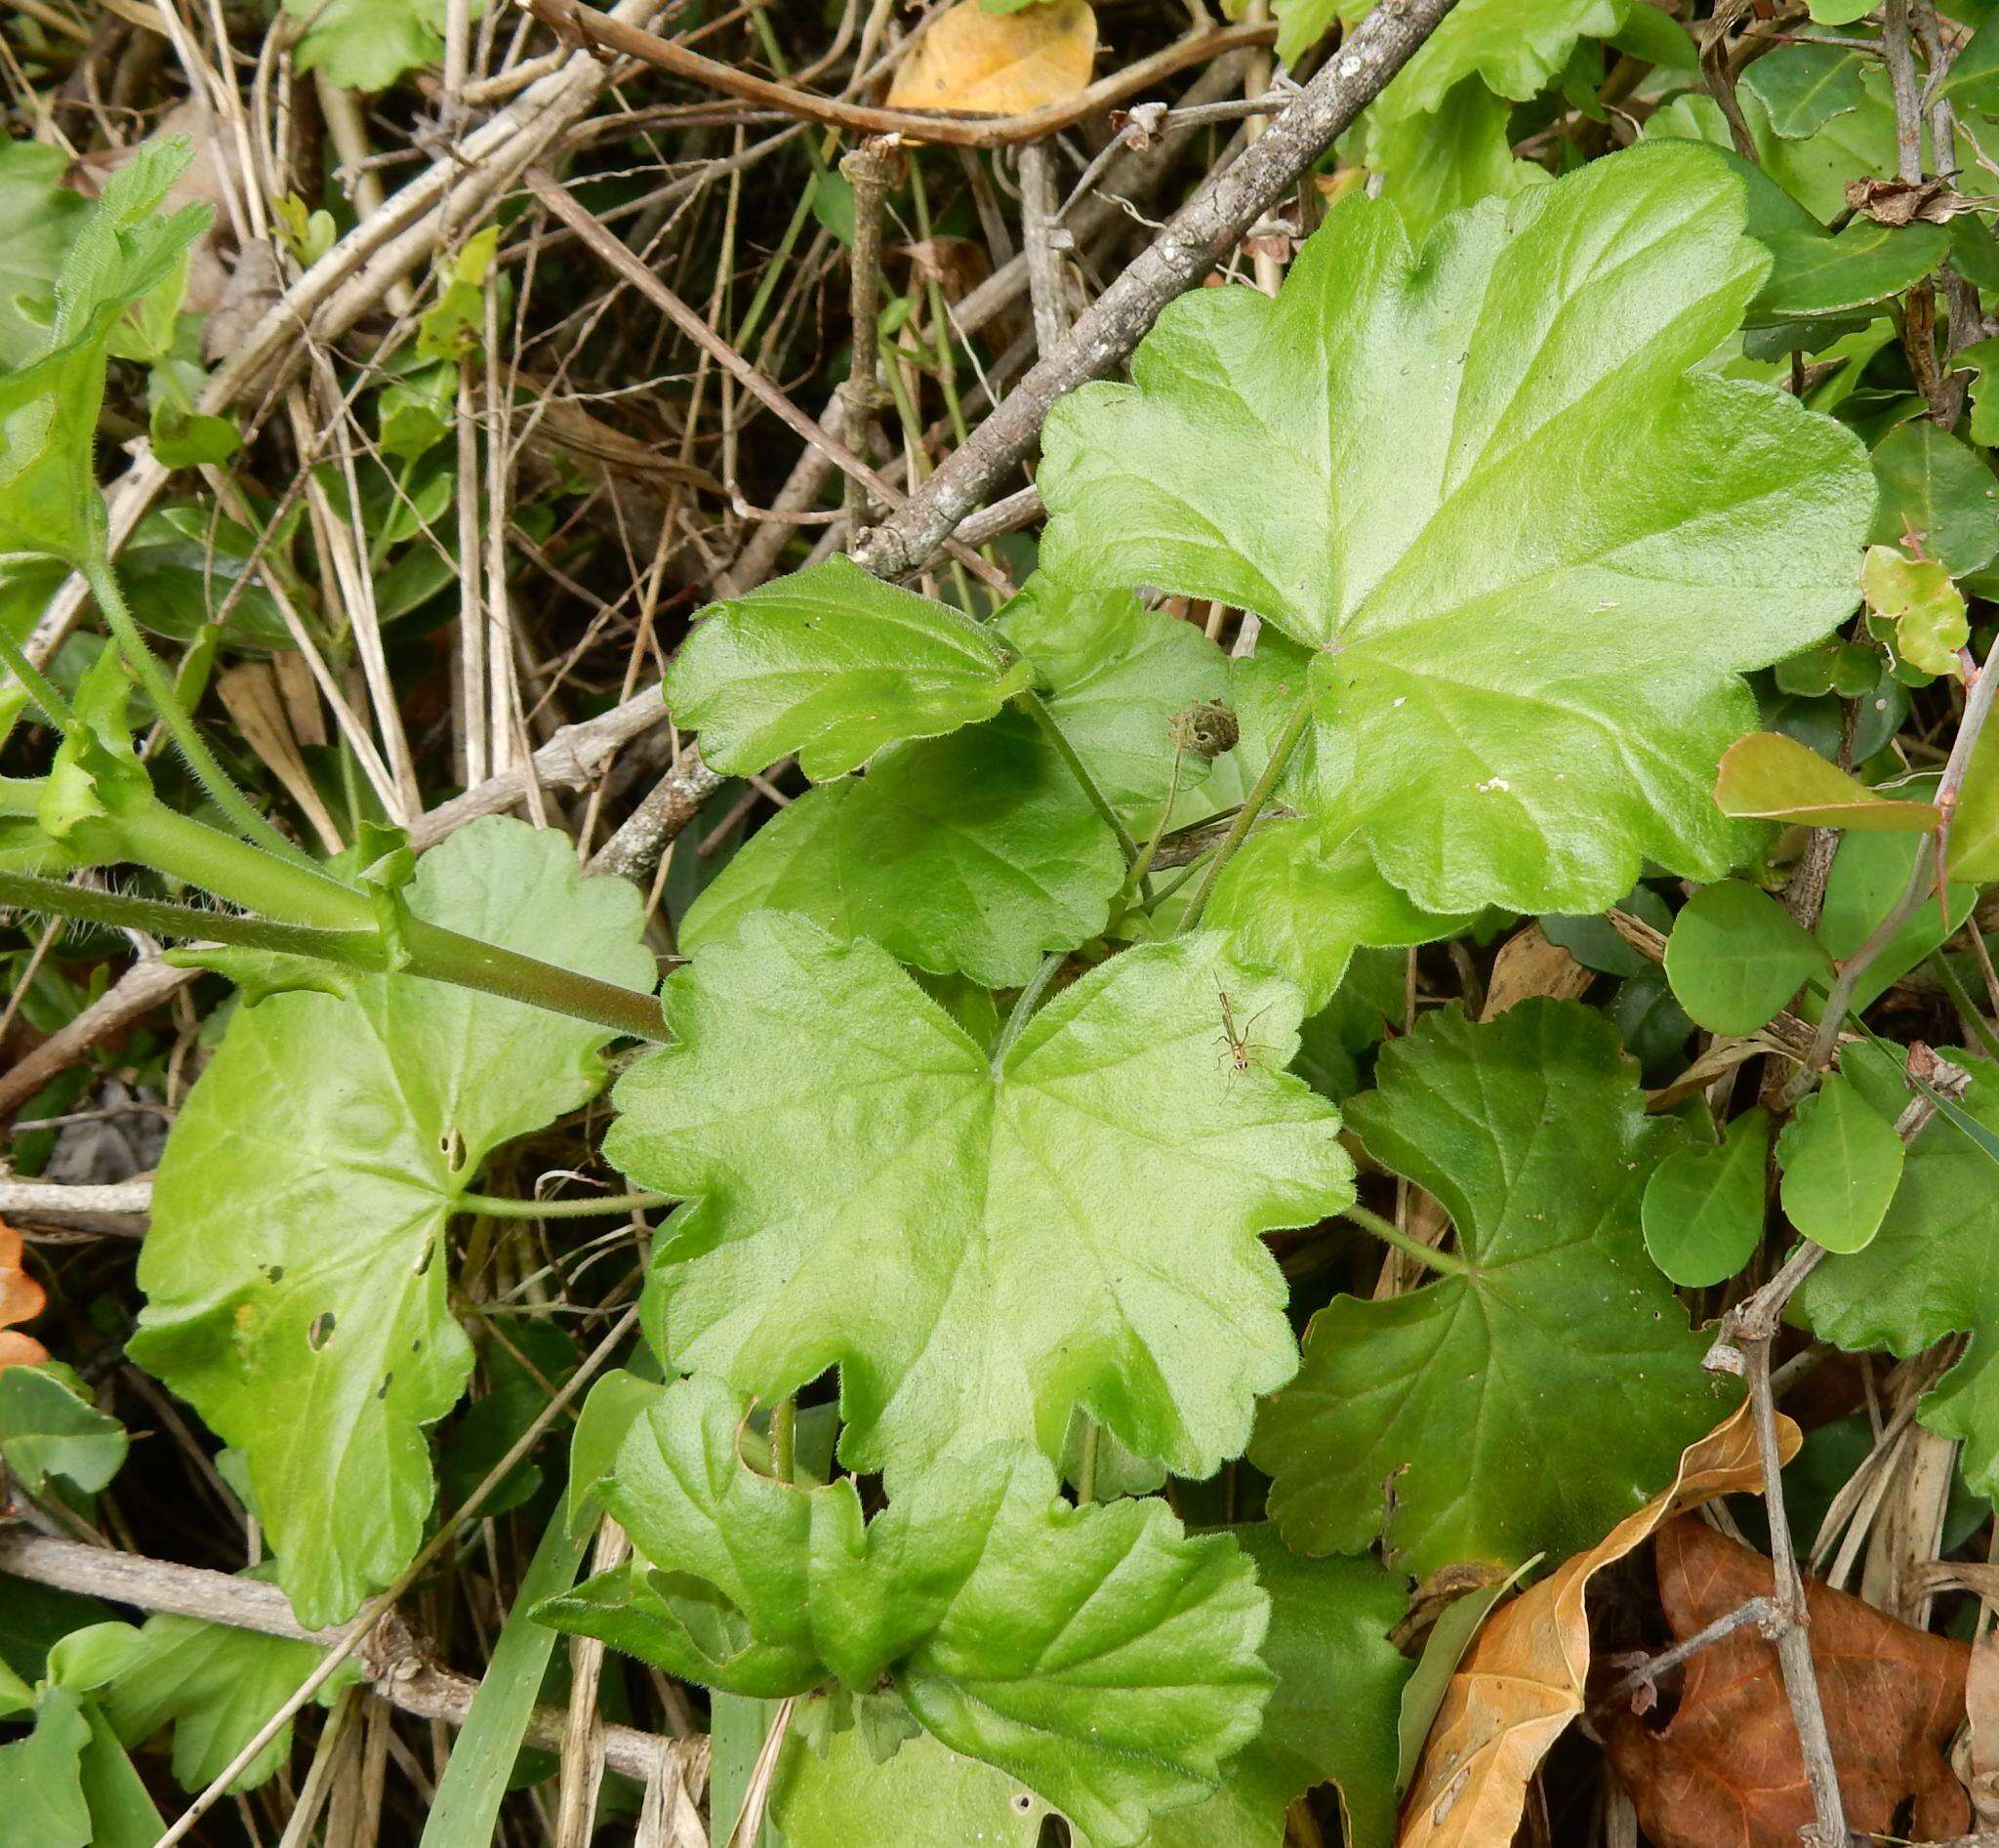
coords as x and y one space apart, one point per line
924 1794
1841 1161
1769 776
39 216
49 1426
369 44
49 499
1534 683
1302 895
976 852
1530 1405
833 664
295 1274
980 1251
1098 1653
1737 957
1929 1272
1518 47
1926 608
1117 674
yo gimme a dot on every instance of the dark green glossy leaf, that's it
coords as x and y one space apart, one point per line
1527 1405
1703 1207
1737 957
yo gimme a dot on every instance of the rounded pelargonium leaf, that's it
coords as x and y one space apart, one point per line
981 1245
1527 1403
1384 462
295 1273
973 853
833 664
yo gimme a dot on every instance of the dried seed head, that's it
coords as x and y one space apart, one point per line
1206 728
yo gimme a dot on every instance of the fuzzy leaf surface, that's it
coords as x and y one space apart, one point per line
979 1251
294 1273
1533 685
1098 1653
832 664
1528 1406
977 852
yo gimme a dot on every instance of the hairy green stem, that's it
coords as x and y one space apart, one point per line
784 1440
444 956
430 950
122 911
590 1206
207 771
1024 1005
1280 753
1037 709
239 871
55 708
1139 878
1390 1233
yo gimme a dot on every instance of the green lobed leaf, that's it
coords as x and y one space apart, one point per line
1532 687
49 1427
1117 675
49 504
1703 1207
1926 608
924 1794
980 1250
1842 1162
39 216
295 1274
216 1687
1527 1405
1927 1273
1431 166
1302 895
977 852
1737 957
369 44
1098 1653
832 664
41 1777
1332 1715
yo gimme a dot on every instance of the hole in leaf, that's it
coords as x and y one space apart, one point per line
321 1330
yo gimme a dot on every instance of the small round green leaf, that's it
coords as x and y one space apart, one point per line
1842 1162
1703 1207
1737 957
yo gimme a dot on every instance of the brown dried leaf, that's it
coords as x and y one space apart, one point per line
1528 965
1522 1682
1725 1771
21 1298
1000 63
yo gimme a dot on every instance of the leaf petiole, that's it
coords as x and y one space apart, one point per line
1282 750
1386 1230
1036 708
593 1206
